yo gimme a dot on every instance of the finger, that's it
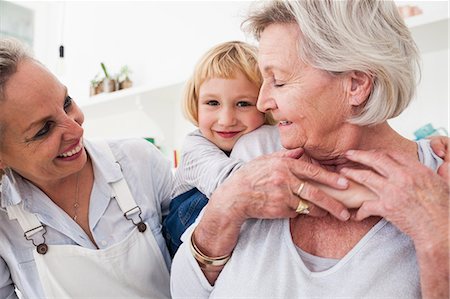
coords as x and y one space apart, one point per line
368 178
316 211
403 159
294 153
324 201
377 160
439 145
444 171
369 208
304 170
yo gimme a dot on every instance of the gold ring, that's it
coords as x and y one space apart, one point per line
302 207
300 188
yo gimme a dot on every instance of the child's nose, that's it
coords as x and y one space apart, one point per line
227 117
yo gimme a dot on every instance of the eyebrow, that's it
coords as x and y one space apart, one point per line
44 119
212 95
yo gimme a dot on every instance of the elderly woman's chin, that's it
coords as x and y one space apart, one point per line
292 141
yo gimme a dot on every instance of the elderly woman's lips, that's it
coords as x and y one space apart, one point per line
227 134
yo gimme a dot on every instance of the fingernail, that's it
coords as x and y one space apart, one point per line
441 153
342 182
350 152
345 215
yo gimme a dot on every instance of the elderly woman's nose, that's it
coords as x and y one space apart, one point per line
227 117
265 103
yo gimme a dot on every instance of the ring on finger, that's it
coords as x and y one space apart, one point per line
300 189
302 207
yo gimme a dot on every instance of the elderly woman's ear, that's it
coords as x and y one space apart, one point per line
360 87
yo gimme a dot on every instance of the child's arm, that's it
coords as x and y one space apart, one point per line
203 165
262 141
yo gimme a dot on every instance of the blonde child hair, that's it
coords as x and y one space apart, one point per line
222 61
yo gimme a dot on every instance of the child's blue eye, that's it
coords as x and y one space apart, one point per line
212 103
244 104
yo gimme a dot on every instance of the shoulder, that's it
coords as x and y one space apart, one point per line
132 151
195 141
266 134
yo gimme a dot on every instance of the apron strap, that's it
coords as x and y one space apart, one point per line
29 222
30 225
122 193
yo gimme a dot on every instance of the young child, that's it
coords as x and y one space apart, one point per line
220 100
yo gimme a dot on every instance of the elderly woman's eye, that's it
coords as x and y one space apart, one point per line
278 84
44 130
67 103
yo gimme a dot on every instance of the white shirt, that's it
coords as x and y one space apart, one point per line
150 180
266 264
205 166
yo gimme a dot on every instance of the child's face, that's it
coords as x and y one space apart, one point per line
227 110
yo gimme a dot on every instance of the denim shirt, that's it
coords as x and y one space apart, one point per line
149 178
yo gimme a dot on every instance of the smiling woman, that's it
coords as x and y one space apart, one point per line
63 197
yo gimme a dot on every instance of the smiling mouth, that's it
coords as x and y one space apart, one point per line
73 151
227 134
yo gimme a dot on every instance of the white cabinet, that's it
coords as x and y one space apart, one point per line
138 112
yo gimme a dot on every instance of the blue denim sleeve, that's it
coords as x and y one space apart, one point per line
183 211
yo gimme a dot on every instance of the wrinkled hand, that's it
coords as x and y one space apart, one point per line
409 194
265 188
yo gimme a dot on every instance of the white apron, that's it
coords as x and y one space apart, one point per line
133 268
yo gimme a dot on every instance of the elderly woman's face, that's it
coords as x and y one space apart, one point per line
42 134
310 104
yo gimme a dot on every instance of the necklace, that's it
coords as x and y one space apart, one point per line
76 204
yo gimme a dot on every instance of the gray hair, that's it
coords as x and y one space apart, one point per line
353 35
11 53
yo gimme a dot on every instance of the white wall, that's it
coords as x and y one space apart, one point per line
159 40
162 40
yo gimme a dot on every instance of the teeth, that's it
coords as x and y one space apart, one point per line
285 122
76 150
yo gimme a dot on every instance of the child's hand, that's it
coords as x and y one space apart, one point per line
353 197
439 144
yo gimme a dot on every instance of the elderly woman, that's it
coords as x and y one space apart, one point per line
77 219
334 72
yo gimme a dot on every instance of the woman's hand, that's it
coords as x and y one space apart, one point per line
265 189
410 194
414 199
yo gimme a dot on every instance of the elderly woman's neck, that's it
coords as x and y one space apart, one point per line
379 137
